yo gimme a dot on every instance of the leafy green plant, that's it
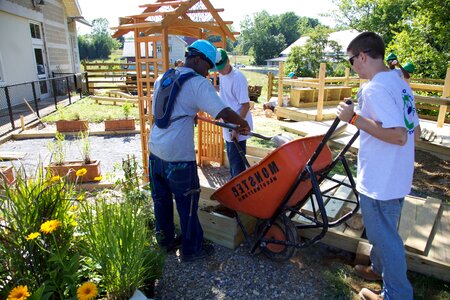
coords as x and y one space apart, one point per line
57 149
126 108
85 146
38 247
121 246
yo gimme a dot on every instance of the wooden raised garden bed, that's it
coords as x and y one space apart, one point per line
70 168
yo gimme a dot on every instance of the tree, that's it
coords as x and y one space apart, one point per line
305 60
98 44
416 30
381 16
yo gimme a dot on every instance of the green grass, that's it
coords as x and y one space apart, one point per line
87 109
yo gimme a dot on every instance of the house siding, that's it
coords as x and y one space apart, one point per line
57 37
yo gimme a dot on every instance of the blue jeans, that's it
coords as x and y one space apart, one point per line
237 165
180 179
388 254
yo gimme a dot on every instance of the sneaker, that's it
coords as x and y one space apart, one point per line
366 294
174 244
207 250
367 273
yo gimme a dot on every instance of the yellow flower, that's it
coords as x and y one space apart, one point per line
50 226
73 207
19 293
80 198
81 172
55 178
98 178
87 291
32 236
74 223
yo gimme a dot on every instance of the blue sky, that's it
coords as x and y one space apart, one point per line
235 10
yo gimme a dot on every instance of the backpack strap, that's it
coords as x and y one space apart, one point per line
171 83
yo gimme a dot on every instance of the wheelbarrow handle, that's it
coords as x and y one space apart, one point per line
233 127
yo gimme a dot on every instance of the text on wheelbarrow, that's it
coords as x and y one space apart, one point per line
255 182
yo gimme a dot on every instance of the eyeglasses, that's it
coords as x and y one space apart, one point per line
351 59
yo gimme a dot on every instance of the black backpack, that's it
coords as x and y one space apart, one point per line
165 95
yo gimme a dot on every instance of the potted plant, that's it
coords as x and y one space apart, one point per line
70 123
6 176
85 170
121 124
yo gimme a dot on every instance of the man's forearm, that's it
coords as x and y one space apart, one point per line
230 116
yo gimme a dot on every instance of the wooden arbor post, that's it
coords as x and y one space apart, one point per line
445 94
194 18
321 96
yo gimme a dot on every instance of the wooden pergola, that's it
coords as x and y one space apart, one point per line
193 18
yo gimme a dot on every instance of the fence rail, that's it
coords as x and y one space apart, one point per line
28 101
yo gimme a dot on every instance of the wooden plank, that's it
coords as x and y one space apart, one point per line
362 253
440 243
335 206
416 262
411 206
11 155
326 184
308 128
417 241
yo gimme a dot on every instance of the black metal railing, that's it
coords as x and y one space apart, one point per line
27 101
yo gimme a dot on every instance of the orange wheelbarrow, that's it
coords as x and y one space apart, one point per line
277 187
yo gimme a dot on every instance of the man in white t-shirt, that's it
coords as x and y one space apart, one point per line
387 119
172 165
233 89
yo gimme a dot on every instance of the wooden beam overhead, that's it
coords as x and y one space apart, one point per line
216 16
152 14
167 3
194 11
137 25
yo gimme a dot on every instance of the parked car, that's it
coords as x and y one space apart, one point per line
239 66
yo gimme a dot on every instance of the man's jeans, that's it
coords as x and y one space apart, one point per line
237 165
381 219
180 179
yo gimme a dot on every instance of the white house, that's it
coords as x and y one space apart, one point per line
177 47
343 38
38 37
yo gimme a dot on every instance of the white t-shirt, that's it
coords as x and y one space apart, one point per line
385 170
234 91
176 143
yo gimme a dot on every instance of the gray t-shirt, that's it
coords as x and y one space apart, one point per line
176 143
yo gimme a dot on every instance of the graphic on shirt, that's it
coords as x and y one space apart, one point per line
409 111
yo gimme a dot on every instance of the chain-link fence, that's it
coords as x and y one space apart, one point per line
23 103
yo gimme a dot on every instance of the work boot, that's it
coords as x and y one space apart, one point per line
366 294
173 245
367 273
207 250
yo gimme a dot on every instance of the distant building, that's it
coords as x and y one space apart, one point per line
177 47
343 38
37 38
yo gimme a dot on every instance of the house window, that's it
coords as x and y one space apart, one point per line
35 30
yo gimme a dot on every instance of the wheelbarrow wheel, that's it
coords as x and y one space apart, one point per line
283 229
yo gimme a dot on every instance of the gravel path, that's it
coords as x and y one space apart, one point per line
109 149
234 274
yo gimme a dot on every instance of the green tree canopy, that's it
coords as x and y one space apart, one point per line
98 44
416 30
305 60
265 36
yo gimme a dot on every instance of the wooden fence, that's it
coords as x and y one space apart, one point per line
439 87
